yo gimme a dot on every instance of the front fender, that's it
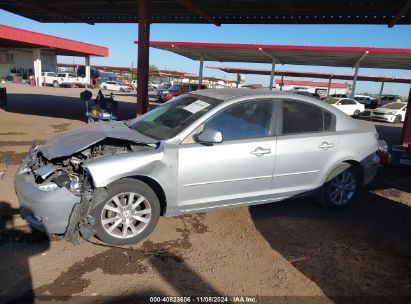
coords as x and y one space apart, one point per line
105 170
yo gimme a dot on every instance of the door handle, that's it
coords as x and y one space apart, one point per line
260 151
325 145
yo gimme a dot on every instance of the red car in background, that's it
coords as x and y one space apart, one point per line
177 90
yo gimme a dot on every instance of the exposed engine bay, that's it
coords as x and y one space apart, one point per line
69 172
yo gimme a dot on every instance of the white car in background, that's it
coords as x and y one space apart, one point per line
114 86
392 112
348 106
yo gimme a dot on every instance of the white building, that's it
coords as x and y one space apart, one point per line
318 87
25 53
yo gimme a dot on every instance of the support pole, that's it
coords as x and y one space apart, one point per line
406 129
200 72
381 90
238 80
354 82
37 67
143 56
272 75
87 71
282 83
329 87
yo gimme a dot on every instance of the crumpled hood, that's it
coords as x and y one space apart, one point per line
73 141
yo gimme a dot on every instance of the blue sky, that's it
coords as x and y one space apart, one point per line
119 39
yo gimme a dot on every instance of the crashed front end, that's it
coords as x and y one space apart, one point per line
56 194
48 191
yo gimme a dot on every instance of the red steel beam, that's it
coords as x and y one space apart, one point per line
143 56
406 129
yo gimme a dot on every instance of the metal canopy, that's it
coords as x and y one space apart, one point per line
18 38
389 58
388 12
322 75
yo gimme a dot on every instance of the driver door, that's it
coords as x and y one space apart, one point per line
237 171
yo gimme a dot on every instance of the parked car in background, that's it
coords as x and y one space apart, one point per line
178 89
348 106
392 112
115 86
318 96
153 85
115 179
367 101
50 78
133 84
303 93
338 96
388 99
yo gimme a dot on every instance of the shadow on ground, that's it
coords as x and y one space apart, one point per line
357 255
60 106
17 245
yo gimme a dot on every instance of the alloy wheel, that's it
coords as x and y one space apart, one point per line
126 215
342 188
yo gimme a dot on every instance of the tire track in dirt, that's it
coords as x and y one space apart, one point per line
119 261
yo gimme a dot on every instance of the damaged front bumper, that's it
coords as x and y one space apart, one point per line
47 210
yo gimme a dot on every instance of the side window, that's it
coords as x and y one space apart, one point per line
301 117
246 120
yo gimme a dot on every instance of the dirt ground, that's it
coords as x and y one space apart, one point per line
287 252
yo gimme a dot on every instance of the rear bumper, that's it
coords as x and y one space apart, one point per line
370 167
48 211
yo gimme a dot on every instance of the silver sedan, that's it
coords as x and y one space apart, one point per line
201 151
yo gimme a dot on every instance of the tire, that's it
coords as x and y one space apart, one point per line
90 120
397 119
356 113
56 84
140 219
104 88
121 90
154 89
332 197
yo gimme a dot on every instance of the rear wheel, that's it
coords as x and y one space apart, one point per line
357 113
126 213
90 120
104 88
397 119
340 192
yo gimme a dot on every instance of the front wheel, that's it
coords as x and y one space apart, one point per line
126 213
56 84
340 192
397 119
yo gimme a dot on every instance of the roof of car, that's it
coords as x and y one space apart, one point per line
224 94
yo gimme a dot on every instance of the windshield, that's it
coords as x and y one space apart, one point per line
169 119
332 100
175 87
394 106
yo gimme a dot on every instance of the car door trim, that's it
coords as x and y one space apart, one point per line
227 180
296 173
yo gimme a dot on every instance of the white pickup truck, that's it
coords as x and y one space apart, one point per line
62 80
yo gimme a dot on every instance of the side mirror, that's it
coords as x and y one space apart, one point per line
210 136
338 104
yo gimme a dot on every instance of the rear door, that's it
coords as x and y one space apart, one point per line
238 170
306 145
